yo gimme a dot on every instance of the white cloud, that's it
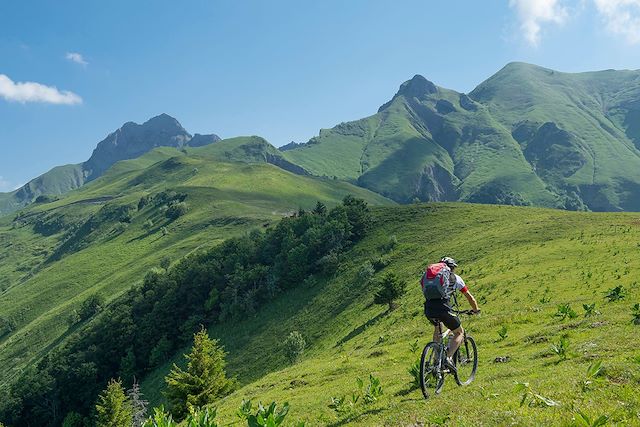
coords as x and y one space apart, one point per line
77 58
35 92
533 14
621 17
5 185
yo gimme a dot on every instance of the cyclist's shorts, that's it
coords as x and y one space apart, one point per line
449 319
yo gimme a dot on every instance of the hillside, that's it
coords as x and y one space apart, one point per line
102 238
520 263
527 135
128 142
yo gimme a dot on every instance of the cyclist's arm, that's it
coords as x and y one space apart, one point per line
472 301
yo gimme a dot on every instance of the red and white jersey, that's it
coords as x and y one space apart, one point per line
456 284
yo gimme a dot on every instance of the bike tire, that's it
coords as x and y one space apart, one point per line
431 377
466 361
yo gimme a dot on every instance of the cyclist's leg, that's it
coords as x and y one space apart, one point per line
452 322
456 341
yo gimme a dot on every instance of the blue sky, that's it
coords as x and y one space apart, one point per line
280 69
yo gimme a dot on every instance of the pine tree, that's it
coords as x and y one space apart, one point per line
204 380
114 408
390 290
320 209
138 404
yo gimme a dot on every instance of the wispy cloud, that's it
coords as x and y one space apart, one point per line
5 185
77 58
533 14
35 92
621 17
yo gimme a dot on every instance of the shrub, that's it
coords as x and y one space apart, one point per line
380 262
414 371
391 244
264 417
160 418
615 294
531 398
503 332
583 420
373 391
176 210
561 348
294 346
564 311
593 371
635 312
589 309
366 272
391 288
91 306
201 418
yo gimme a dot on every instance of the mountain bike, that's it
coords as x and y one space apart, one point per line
432 363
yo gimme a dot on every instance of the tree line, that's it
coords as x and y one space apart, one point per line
143 328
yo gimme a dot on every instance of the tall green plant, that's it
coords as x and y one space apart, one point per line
113 408
204 380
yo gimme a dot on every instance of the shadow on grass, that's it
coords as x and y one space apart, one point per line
351 418
360 329
407 390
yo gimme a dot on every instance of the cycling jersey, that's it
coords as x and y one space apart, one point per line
440 309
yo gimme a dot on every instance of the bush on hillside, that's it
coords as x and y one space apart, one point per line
391 288
176 210
294 346
91 306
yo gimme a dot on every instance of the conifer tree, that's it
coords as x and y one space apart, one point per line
138 405
204 380
390 290
114 408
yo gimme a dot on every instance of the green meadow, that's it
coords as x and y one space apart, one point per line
522 264
96 240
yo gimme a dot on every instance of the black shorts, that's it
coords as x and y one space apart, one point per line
442 314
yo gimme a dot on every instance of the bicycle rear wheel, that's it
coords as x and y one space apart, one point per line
431 376
466 361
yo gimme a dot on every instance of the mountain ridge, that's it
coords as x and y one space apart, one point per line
129 141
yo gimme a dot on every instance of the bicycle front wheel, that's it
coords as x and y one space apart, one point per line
466 361
431 376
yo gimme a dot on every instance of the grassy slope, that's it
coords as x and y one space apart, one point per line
594 106
424 145
224 199
508 256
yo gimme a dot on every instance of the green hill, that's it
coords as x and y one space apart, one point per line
520 263
527 135
102 238
128 142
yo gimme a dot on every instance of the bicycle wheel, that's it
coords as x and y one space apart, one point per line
466 361
431 377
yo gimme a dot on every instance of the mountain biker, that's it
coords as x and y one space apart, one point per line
440 310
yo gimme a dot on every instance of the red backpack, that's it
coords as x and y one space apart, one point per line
435 280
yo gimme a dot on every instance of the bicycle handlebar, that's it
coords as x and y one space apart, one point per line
468 312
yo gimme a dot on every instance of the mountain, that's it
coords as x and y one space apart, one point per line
104 236
527 135
129 142
579 131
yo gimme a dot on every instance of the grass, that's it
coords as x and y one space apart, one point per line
510 258
42 284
